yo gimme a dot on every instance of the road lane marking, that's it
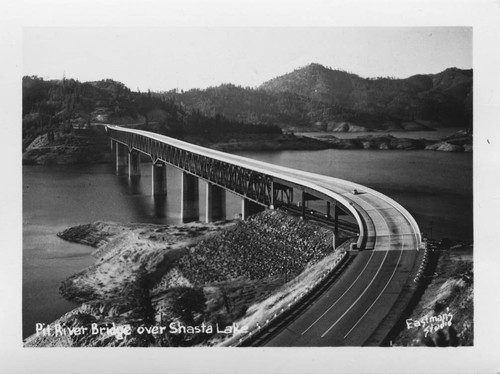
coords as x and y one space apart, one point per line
317 184
392 275
359 275
352 284
359 297
373 279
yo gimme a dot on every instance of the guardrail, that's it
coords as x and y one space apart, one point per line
271 320
392 202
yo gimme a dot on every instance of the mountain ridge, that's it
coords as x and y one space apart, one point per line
315 97
310 98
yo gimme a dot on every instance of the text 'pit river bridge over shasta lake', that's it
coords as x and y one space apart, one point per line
352 310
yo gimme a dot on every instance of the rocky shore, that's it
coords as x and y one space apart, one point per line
80 146
227 275
92 145
459 142
152 276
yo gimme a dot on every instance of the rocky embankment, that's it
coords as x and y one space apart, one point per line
459 142
79 146
92 145
444 315
344 126
151 276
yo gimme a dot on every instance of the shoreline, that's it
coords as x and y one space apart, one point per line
92 147
143 271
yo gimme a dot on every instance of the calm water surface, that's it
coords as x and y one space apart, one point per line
436 187
438 134
57 197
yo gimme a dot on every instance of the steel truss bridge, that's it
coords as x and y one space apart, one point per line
389 236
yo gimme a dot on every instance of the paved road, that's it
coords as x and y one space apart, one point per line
352 308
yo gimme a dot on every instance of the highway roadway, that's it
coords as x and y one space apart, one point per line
354 306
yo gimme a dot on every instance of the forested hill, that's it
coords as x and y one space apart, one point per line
316 97
309 98
67 104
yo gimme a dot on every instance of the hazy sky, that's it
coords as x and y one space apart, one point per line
166 58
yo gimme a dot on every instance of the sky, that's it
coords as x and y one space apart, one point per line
198 57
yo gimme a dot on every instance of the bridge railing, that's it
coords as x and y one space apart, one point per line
288 304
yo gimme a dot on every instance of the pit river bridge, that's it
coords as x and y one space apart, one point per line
353 309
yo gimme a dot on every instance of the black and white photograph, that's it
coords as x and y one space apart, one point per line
221 188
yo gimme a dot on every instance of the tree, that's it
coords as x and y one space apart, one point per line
187 302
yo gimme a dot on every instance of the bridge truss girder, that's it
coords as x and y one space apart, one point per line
252 185
247 183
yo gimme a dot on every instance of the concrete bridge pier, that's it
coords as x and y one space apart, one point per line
160 205
189 198
249 207
134 164
215 208
159 179
121 158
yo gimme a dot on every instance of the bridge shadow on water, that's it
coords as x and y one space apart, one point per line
153 209
134 185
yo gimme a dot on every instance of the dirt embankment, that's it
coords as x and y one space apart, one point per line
445 312
205 276
78 146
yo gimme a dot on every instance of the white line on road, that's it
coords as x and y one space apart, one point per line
359 297
346 291
390 279
354 282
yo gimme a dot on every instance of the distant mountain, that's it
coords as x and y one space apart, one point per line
310 98
318 83
316 97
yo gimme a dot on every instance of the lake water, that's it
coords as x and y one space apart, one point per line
436 187
438 134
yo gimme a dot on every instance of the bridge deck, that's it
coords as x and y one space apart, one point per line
348 312
379 215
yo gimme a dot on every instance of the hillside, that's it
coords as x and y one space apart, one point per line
67 105
318 98
198 274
